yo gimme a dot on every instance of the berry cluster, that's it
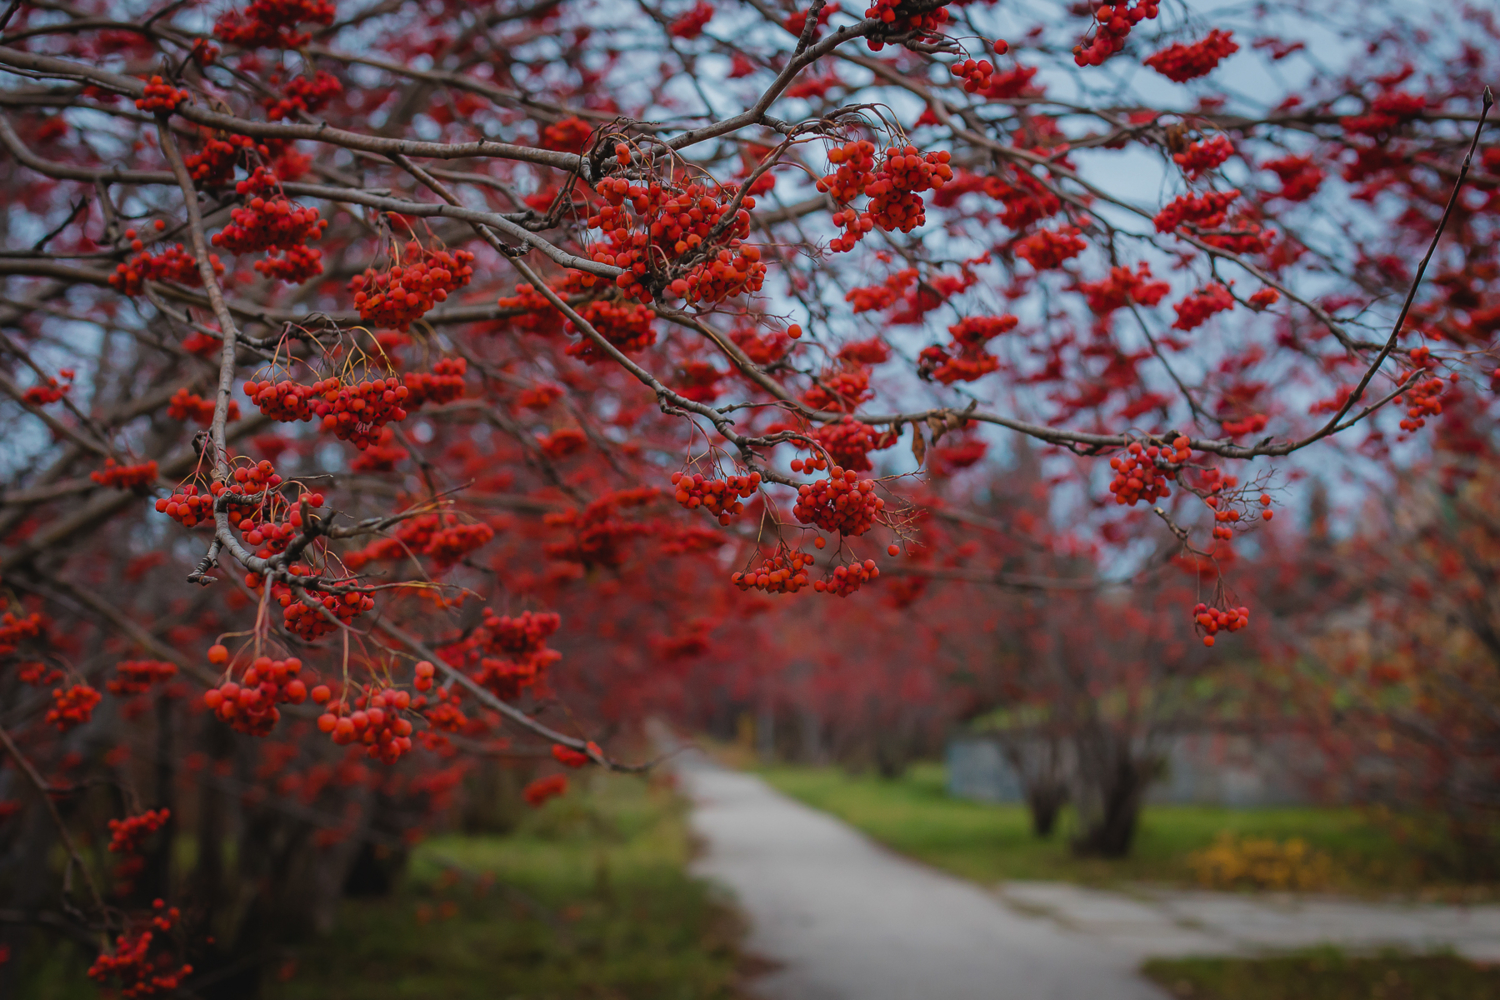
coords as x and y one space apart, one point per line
72 706
125 835
842 503
1387 111
563 442
36 674
848 443
140 973
1113 24
1206 211
398 297
670 242
935 362
124 477
1122 287
568 757
1203 156
13 630
424 671
443 384
691 24
172 264
307 622
1046 249
779 573
161 96
570 135
975 75
213 165
845 580
186 405
374 720
303 95
1212 620
1300 177
272 23
901 16
250 707
1424 401
538 792
1181 63
840 390
1224 517
894 189
137 676
187 506
1253 424
49 391
451 544
717 496
355 413
1263 299
627 325
539 396
1195 309
1137 473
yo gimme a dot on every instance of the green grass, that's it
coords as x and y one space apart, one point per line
589 899
1326 975
990 842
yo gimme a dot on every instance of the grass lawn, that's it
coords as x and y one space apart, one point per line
589 899
989 842
1326 975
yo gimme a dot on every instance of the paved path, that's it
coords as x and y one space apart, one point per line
845 919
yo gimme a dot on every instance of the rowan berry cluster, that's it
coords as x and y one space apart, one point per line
720 497
628 325
1213 620
1203 156
1206 211
213 165
14 631
161 96
451 544
34 673
1424 400
539 396
445 715
1046 249
840 390
375 720
563 442
511 652
901 16
1122 287
137 676
845 580
778 573
72 706
306 621
1139 472
125 835
124 477
1181 63
303 96
975 75
293 265
271 23
842 503
1300 177
49 391
274 224
1247 237
568 757
894 190
186 405
172 264
1196 308
1252 424
250 706
398 297
1225 516
443 384
1387 111
935 362
140 973
187 506
691 24
1264 298
1112 26
355 413
665 239
848 443
538 792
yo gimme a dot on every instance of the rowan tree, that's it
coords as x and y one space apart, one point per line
395 385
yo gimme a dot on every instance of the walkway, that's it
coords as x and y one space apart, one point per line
845 919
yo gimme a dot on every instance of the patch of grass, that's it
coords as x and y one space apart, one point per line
1326 975
589 899
990 842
